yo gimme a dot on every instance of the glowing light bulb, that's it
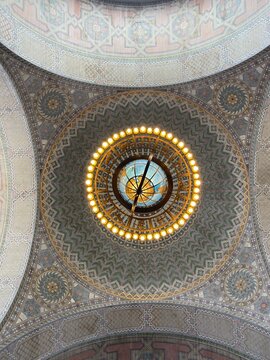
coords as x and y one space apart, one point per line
185 150
163 133
142 129
170 230
181 222
156 130
163 233
181 144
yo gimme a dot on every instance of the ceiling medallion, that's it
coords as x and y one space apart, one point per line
143 184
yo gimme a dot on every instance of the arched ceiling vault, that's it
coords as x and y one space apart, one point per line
18 193
84 284
135 46
233 333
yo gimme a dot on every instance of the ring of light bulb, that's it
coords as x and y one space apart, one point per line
129 235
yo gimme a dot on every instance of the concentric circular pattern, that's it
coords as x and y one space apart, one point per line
152 269
242 285
53 103
233 99
151 218
51 287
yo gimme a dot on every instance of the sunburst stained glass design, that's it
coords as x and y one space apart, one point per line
153 185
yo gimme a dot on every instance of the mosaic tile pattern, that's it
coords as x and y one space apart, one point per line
28 316
64 337
18 193
51 287
194 252
241 285
159 45
53 103
150 347
261 177
233 99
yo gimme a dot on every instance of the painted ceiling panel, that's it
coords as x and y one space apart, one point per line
18 193
140 46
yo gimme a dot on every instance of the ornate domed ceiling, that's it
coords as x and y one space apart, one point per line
135 46
152 230
167 266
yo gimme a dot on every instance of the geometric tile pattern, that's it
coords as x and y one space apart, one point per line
35 345
241 285
151 347
18 192
261 173
51 287
233 99
227 336
165 44
52 103
187 258
83 327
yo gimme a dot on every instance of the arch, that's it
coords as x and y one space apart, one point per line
18 193
138 318
125 46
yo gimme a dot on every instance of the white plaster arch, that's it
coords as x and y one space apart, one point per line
144 46
18 193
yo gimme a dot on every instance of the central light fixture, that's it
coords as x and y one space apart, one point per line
143 184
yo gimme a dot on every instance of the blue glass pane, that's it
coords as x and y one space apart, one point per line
154 186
